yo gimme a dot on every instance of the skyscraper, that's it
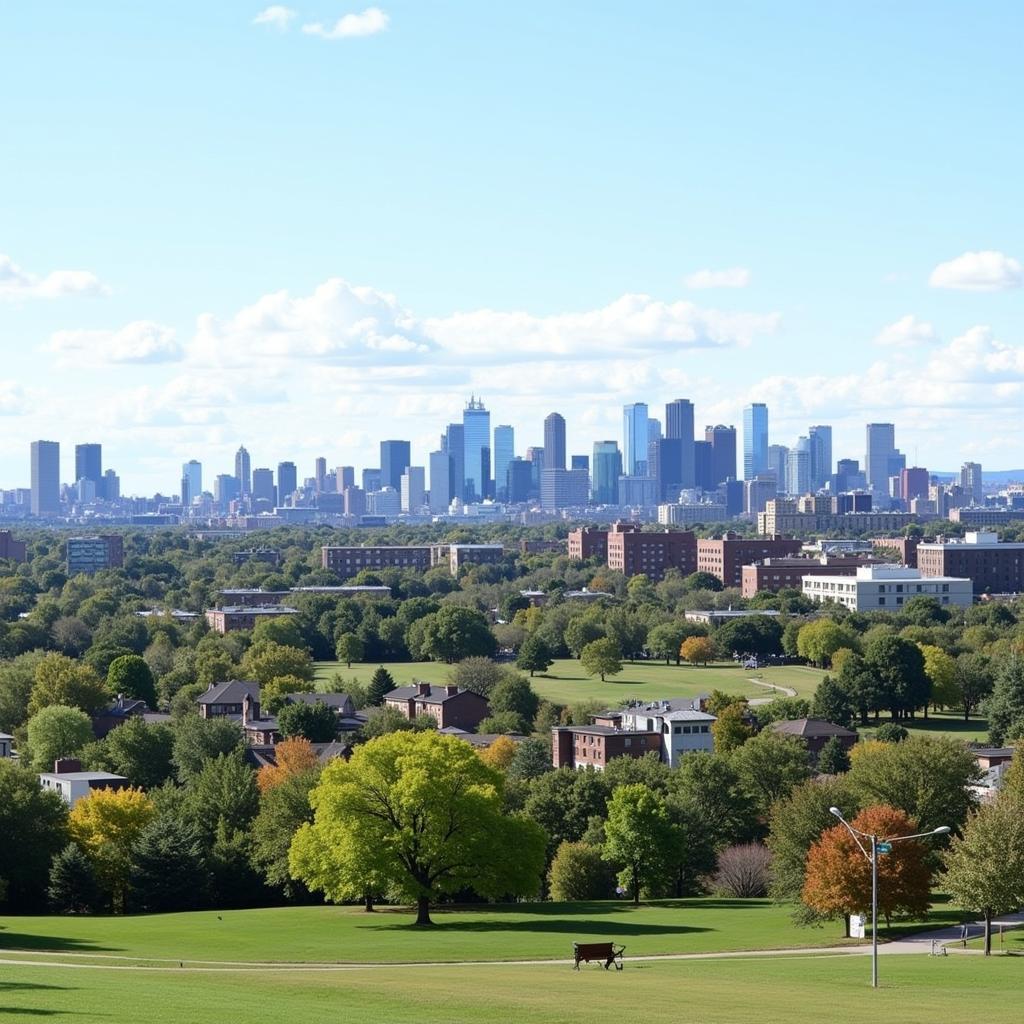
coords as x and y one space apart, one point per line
755 440
777 456
191 481
243 472
263 486
664 464
413 489
798 467
89 465
476 428
970 481
607 468
454 443
395 457
504 453
45 478
440 481
554 441
635 437
679 424
878 462
820 445
345 477
723 452
287 481
320 474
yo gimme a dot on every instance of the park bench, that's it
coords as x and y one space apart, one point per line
606 952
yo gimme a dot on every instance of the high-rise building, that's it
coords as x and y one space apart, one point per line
819 439
535 456
243 472
413 489
778 455
798 467
111 485
440 481
395 457
664 464
225 490
579 462
755 440
263 486
679 424
723 452
320 475
355 501
848 476
564 488
476 428
344 477
372 479
914 482
970 481
653 429
454 443
191 481
504 453
554 441
520 480
703 471
45 478
635 438
882 460
89 465
287 481
607 465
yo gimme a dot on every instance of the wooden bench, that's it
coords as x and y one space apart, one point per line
602 952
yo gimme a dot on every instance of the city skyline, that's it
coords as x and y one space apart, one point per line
254 258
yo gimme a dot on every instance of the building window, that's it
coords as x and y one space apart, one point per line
703 728
627 742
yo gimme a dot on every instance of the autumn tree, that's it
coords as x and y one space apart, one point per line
421 813
292 757
500 753
601 658
838 874
697 650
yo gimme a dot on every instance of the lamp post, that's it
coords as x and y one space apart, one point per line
878 845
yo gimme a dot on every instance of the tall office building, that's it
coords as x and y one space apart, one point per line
243 472
287 481
225 490
45 478
881 446
395 457
520 480
798 467
89 465
653 429
755 440
191 481
263 486
413 489
371 479
777 456
504 453
320 474
111 485
476 436
970 481
723 452
679 424
440 481
635 438
579 462
703 468
819 440
454 443
535 456
554 441
664 464
344 477
607 468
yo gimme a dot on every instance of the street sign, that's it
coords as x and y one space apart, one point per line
884 847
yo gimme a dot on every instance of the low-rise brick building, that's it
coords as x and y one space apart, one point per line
582 746
991 566
452 706
228 620
632 551
588 542
775 574
724 557
348 561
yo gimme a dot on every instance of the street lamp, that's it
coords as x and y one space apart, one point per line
878 846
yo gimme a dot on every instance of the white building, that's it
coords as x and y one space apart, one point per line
6 744
74 786
685 513
683 729
887 588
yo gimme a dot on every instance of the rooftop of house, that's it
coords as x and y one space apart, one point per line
125 706
338 701
810 728
993 751
605 730
233 691
84 776
429 693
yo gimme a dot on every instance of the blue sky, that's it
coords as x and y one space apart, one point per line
305 244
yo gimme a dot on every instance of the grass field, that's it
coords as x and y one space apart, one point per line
566 682
943 723
798 990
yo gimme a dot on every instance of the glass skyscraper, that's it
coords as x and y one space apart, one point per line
755 440
635 437
607 468
476 427
504 453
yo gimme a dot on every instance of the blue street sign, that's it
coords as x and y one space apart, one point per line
884 847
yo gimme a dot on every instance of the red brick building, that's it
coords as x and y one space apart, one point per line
632 551
775 574
451 706
588 542
991 566
580 746
11 548
725 557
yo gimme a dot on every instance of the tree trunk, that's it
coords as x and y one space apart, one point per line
423 910
368 903
988 931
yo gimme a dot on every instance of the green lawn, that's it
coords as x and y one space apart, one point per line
798 990
347 934
566 682
942 723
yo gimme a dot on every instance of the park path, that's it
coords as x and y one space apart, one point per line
786 691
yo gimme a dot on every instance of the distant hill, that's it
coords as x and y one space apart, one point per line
996 476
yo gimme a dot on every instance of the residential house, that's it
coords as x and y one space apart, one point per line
224 700
684 728
815 732
6 744
450 705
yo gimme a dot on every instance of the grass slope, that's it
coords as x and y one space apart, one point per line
799 990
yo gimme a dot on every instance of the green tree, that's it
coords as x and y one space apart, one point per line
729 730
818 640
265 660
940 668
169 870
349 648
481 675
898 665
198 740
453 633
422 812
506 723
514 694
283 810
1006 705
272 694
750 634
33 822
833 758
985 866
563 801
73 888
316 722
769 766
532 758
864 688
710 786
534 655
601 658
381 683
832 703
578 872
580 631
57 731
142 753
16 680
973 680
131 676
61 680
639 837
281 629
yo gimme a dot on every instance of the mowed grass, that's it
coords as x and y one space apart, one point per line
938 723
523 931
798 990
566 682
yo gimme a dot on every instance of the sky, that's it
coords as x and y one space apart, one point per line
307 228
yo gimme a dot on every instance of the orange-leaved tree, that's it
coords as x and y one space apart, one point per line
294 756
500 753
697 649
838 875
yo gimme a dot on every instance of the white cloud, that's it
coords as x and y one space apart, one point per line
16 283
13 399
351 26
141 341
985 271
732 277
276 15
905 332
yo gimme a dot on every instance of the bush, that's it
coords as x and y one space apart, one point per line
743 872
578 873
891 732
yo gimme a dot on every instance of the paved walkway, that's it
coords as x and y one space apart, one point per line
786 691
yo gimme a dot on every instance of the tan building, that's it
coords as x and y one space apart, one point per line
782 515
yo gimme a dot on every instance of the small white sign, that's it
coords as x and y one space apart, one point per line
857 924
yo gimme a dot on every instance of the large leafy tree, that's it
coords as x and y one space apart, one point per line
601 658
750 634
534 655
314 722
940 668
131 675
898 665
697 650
579 872
832 702
838 876
199 740
639 838
973 680
453 633
769 766
515 695
142 753
1006 705
265 660
817 641
421 813
292 757
711 787
57 731
284 808
985 866
62 680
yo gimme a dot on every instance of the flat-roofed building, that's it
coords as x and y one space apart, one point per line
93 554
724 557
887 588
593 746
632 551
230 620
348 561
775 574
588 542
991 566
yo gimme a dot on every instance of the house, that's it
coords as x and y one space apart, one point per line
450 705
6 744
224 700
72 784
593 746
684 729
259 756
815 732
481 740
259 730
116 714
992 757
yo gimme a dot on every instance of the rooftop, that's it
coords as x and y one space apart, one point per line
84 776
810 728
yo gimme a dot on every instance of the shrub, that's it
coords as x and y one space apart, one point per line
743 871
